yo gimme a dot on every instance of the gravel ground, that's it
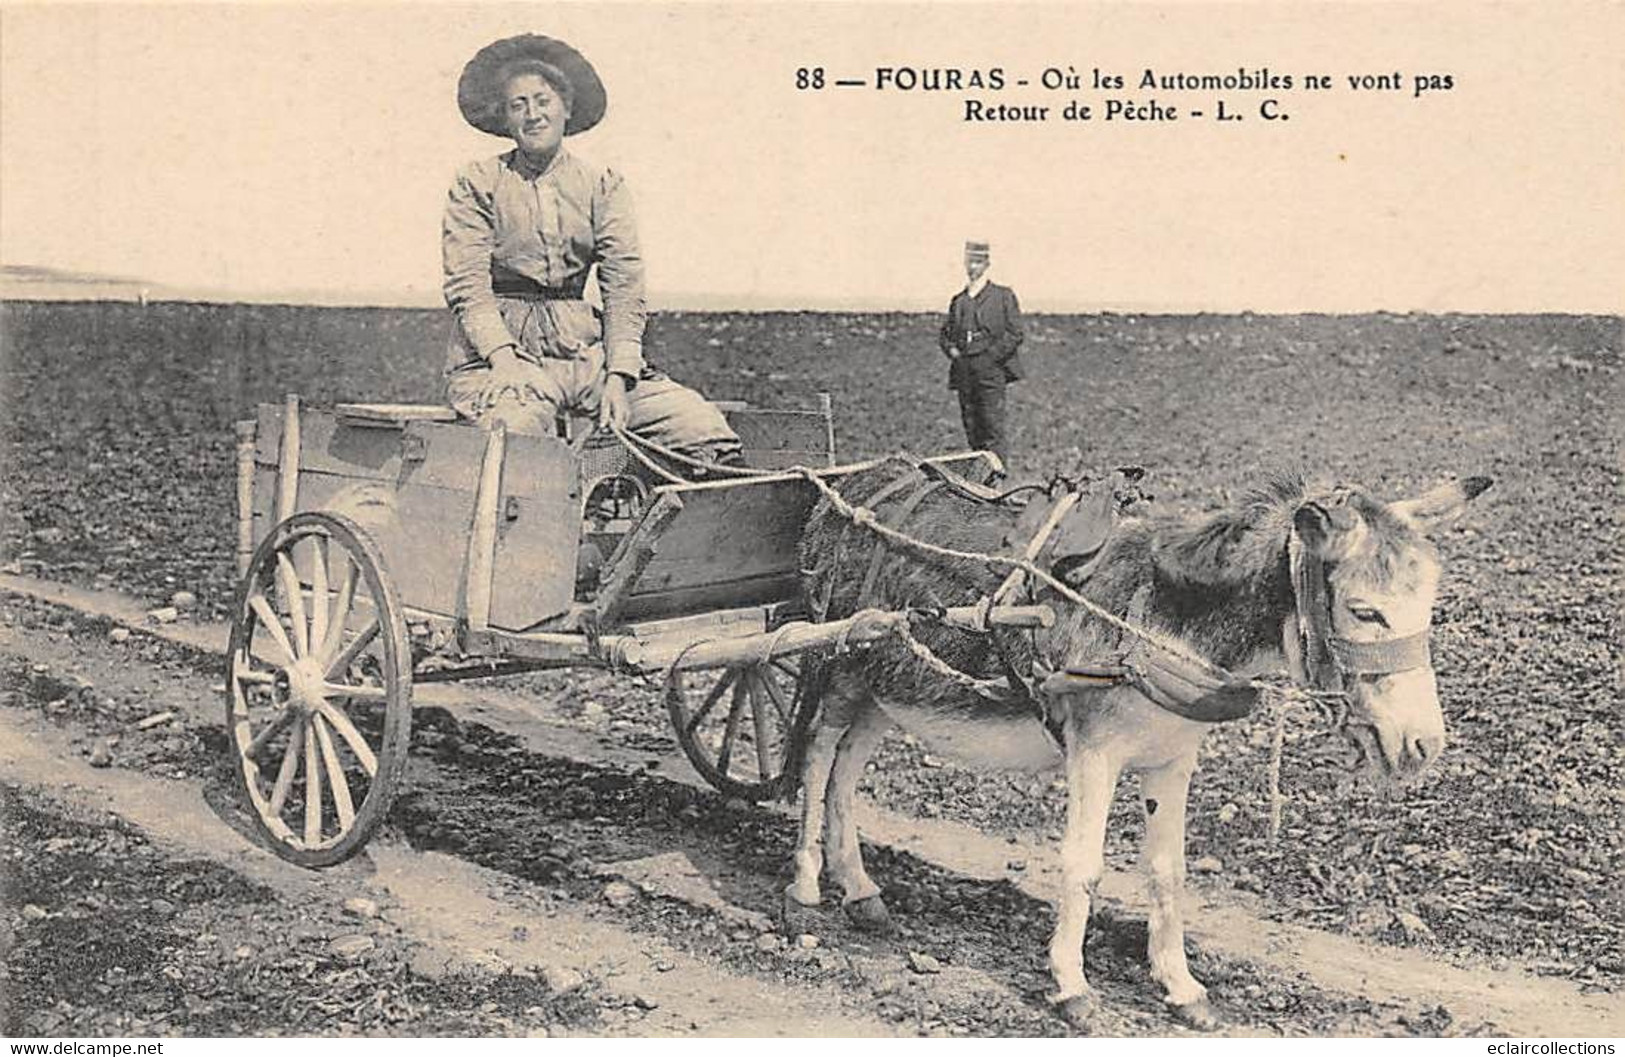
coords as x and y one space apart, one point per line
185 946
111 935
119 473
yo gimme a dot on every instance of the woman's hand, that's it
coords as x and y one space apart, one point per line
612 409
507 379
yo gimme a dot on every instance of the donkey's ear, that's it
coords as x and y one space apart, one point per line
1327 529
1443 504
1314 525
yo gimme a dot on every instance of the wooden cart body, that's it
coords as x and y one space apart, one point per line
483 532
383 545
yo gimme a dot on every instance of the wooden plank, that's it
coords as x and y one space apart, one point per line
533 575
702 597
658 654
725 622
441 455
735 543
422 527
636 550
392 415
474 606
554 649
245 496
757 524
288 449
741 536
426 565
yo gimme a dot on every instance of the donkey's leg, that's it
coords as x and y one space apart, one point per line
860 894
1091 776
809 857
1164 792
835 716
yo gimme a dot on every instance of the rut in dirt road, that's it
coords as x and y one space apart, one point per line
968 824
122 935
187 930
566 826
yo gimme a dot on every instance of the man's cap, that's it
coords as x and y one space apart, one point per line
479 87
977 249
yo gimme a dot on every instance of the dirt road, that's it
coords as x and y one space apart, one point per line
545 874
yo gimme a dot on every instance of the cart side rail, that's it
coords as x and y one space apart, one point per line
719 544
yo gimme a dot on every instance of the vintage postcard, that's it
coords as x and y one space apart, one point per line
811 519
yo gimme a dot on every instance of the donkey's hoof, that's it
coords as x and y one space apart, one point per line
796 917
1082 1012
1198 1014
869 914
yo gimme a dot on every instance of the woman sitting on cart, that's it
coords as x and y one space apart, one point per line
522 232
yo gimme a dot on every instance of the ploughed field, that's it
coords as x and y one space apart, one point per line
118 472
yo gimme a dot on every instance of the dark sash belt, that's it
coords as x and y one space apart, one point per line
530 290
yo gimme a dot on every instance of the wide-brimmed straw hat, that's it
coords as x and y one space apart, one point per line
479 86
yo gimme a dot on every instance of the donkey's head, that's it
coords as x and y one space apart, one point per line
1366 576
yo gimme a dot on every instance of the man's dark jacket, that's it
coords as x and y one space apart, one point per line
986 329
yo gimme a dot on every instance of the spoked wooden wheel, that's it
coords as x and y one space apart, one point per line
318 689
742 727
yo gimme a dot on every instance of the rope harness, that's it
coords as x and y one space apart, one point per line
1153 662
864 517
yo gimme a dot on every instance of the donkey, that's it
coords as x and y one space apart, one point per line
1224 585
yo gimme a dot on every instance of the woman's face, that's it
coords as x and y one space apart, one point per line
534 114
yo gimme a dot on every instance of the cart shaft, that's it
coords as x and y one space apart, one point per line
869 625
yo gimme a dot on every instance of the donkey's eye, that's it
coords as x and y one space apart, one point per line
1368 615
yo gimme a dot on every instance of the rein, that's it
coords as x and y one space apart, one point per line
1329 660
1158 658
1154 663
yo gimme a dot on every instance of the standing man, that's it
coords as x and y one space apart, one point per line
980 339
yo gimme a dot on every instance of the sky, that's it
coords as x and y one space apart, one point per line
264 149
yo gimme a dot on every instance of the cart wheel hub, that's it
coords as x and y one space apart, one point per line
306 684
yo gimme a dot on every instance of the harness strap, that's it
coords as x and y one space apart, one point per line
1314 606
1046 530
962 486
880 495
1329 659
1383 658
928 483
882 548
1134 658
1129 668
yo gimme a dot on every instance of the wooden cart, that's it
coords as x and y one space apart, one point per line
382 545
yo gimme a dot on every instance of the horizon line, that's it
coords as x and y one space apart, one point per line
35 283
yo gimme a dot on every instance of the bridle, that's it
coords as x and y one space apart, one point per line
1330 661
